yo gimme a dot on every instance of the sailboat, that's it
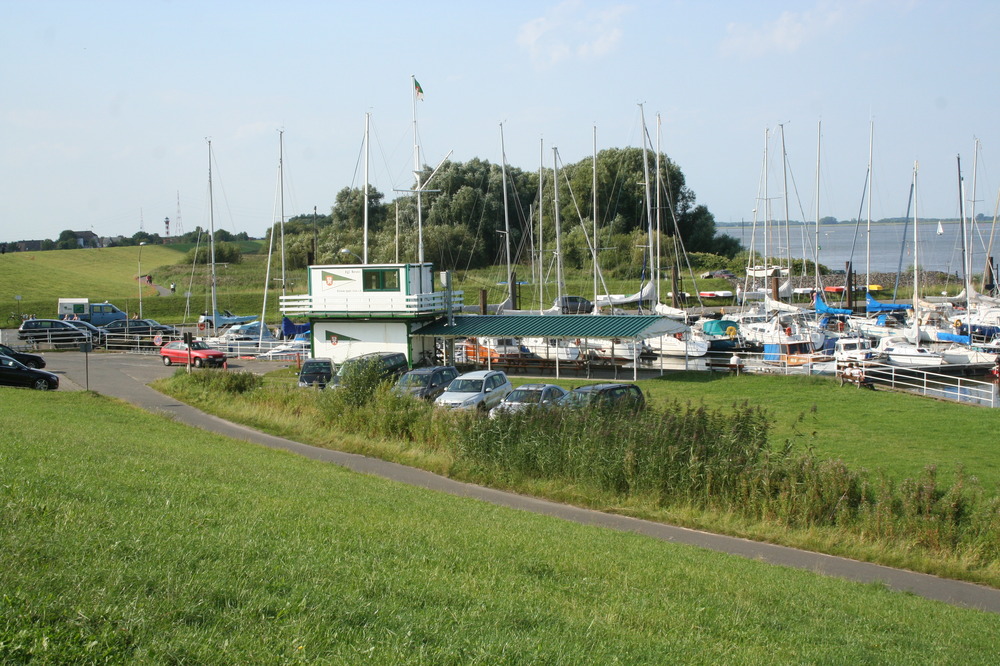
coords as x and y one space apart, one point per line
906 351
224 317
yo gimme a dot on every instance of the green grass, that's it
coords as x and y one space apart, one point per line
147 541
906 511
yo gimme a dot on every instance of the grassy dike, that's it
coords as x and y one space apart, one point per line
801 485
147 541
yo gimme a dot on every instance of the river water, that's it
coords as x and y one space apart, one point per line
838 243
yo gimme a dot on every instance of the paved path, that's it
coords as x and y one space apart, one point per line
125 376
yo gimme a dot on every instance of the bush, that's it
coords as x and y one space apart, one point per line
220 381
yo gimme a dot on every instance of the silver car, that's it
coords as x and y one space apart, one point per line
528 396
482 389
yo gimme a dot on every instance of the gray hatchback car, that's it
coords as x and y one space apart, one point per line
426 383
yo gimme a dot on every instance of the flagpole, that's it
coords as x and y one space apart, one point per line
416 174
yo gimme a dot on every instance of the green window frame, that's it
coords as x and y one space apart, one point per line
380 279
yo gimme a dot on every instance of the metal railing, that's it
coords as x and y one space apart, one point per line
370 302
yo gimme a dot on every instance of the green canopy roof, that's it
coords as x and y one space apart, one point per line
554 326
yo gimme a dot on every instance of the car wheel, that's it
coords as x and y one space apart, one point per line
198 363
166 360
41 385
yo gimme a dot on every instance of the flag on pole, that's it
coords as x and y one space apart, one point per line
418 90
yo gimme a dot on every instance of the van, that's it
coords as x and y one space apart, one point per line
82 309
392 365
316 371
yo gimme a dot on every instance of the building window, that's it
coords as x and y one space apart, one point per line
380 279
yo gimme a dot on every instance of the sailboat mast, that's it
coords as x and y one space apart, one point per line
594 215
645 185
555 204
868 232
916 263
659 218
281 198
964 225
364 252
819 134
211 238
541 237
506 220
767 207
784 189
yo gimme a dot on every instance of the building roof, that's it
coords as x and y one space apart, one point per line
554 326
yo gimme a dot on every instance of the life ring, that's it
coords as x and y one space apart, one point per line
201 326
840 327
679 336
732 332
958 323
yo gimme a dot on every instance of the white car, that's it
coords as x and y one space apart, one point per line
482 389
527 396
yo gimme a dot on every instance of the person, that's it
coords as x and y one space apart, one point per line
996 369
149 279
173 287
736 363
847 375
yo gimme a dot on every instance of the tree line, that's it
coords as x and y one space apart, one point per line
464 219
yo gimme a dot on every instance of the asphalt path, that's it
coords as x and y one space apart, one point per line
126 376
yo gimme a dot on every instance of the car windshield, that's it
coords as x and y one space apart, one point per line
466 386
576 399
525 396
314 366
199 344
414 380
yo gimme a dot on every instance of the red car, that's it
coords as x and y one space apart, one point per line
201 354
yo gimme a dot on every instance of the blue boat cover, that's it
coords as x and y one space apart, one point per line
290 329
953 337
823 308
873 305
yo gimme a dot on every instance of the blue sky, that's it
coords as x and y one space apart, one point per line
106 105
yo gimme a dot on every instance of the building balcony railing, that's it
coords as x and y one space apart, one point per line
371 303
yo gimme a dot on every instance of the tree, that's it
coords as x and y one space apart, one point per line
349 208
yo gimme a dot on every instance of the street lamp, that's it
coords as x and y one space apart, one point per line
344 250
140 279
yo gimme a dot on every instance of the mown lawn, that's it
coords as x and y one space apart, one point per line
148 541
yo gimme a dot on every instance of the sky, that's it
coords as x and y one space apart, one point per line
107 106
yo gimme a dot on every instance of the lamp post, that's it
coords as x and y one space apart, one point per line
140 279
344 250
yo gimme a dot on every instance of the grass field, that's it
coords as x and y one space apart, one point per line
806 413
147 541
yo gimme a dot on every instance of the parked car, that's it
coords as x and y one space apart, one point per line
482 389
574 305
393 364
315 371
627 396
29 360
724 273
51 331
426 383
201 354
98 336
14 373
528 396
139 327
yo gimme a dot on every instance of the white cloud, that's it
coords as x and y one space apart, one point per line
784 35
572 30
